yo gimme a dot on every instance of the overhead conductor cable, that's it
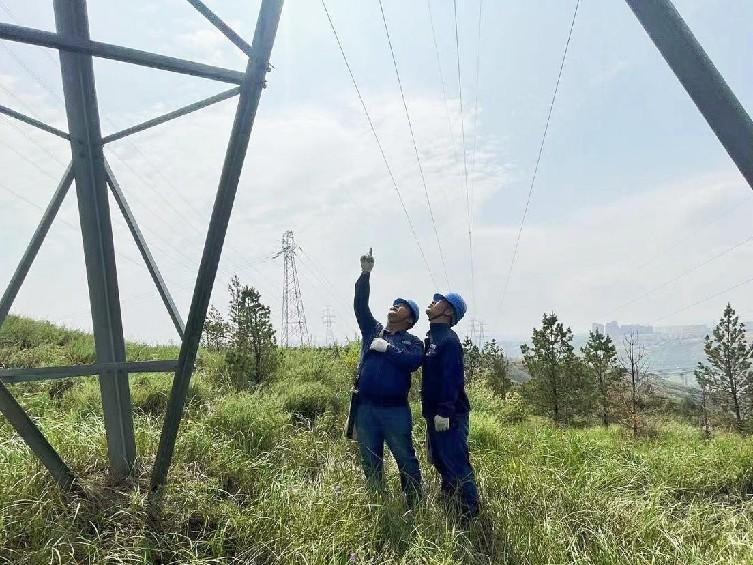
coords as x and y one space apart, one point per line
415 146
538 158
379 144
465 156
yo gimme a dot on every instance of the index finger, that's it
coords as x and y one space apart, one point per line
370 252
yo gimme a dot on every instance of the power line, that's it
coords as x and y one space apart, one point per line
538 157
135 147
475 137
323 292
29 161
56 95
711 297
444 89
111 151
66 223
687 272
175 250
415 146
475 99
709 222
319 278
238 267
379 144
23 132
465 155
171 255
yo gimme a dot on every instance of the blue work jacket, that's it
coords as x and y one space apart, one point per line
383 378
443 384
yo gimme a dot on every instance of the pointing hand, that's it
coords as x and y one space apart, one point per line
367 262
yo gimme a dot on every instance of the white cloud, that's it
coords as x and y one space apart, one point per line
316 169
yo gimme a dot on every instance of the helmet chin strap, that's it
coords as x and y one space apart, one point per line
432 318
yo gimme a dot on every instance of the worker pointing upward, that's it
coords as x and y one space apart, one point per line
389 354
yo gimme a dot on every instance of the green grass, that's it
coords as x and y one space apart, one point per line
265 477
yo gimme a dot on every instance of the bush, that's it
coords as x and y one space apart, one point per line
42 355
59 387
253 421
213 368
150 394
514 409
308 401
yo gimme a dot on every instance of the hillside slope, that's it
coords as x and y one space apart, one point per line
264 476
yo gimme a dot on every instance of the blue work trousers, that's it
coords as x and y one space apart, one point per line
448 452
375 426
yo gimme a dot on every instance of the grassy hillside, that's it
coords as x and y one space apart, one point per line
265 477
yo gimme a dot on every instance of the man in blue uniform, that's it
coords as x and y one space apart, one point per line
445 404
389 354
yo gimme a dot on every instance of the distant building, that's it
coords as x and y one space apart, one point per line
693 330
637 329
615 330
595 327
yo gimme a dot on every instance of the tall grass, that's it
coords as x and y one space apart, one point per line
265 477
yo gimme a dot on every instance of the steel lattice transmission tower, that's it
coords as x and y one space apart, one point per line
328 319
294 328
478 332
94 179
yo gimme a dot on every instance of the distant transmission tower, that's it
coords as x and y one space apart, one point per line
478 332
328 319
293 315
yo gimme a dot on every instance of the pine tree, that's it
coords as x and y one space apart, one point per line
555 371
215 333
252 347
496 368
471 359
727 371
600 357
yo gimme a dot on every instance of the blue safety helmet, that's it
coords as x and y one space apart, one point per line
457 303
410 304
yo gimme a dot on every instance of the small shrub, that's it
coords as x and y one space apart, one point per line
253 422
59 387
43 355
484 431
309 400
150 396
154 404
514 409
213 368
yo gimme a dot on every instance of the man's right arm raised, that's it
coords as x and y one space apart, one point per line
364 317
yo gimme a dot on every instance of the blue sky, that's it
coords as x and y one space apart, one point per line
633 190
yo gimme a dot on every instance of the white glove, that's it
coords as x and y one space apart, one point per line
367 262
379 344
441 424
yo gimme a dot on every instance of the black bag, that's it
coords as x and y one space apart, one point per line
350 425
